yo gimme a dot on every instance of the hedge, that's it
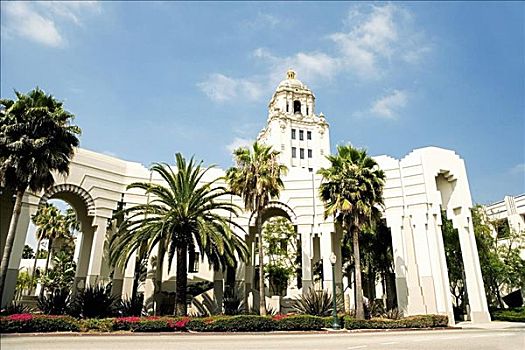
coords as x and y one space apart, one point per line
420 321
512 315
23 323
28 323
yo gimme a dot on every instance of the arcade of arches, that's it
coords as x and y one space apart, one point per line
418 187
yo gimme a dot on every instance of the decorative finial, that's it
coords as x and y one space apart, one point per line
290 74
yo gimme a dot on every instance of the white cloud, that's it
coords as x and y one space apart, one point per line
221 88
262 21
518 169
389 105
238 142
43 22
374 39
23 21
378 35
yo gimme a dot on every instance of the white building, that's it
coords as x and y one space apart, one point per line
510 211
417 187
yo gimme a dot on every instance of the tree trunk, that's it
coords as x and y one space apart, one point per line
49 251
10 240
262 296
359 312
158 278
181 280
33 272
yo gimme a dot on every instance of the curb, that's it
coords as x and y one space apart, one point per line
140 334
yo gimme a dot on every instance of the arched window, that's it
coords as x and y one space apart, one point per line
296 107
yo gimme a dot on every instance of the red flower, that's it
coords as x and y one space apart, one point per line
130 319
181 324
20 317
279 317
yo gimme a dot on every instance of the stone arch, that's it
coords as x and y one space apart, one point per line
275 208
84 205
72 189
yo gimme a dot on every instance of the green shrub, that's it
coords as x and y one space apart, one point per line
300 323
511 315
419 321
151 324
16 308
54 303
239 323
28 323
316 303
94 302
130 306
97 324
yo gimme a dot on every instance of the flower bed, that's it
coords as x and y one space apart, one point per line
28 323
24 323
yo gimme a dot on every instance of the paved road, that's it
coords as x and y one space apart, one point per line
506 339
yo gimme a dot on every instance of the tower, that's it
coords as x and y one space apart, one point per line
294 129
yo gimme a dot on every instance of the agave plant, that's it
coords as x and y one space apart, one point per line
16 308
95 302
54 303
316 302
131 306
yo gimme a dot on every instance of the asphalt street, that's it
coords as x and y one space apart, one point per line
505 339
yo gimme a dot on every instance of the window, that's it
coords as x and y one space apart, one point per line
308 135
301 153
293 134
309 153
306 110
301 135
287 107
284 244
193 261
310 170
296 107
294 152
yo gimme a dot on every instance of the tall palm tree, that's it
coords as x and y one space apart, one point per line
40 218
257 179
352 190
37 140
183 214
51 225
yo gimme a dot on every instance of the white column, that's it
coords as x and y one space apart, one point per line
306 259
97 251
442 282
129 276
476 290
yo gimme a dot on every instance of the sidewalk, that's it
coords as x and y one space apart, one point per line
491 325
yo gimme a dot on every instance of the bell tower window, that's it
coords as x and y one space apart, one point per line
296 107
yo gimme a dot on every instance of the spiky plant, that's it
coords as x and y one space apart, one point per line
316 303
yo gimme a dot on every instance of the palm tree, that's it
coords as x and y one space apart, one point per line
352 190
185 214
51 225
257 178
37 140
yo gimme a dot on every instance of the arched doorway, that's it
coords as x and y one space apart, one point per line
83 205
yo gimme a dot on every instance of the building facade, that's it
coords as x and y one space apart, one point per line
417 188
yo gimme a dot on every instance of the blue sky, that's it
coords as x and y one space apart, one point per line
146 80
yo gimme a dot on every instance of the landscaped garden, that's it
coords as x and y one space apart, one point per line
29 323
182 218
